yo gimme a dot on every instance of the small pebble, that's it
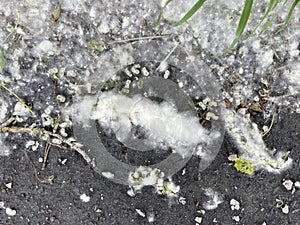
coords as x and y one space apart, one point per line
108 175
235 205
130 192
198 219
140 212
236 218
285 209
288 184
150 217
10 212
182 200
85 198
9 185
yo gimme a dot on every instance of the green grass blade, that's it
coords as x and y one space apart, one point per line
288 18
190 13
161 12
272 5
242 23
17 97
2 61
265 27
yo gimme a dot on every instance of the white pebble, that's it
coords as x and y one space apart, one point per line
180 84
235 205
265 128
130 192
140 212
108 175
236 218
241 70
182 200
9 185
256 98
10 212
1 205
288 184
198 219
297 184
150 217
85 198
285 209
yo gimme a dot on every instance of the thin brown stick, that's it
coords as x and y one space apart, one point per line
49 180
48 145
41 132
46 153
7 122
138 39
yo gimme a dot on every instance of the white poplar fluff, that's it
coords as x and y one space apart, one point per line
162 122
251 145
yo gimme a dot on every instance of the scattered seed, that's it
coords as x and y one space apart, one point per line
166 74
61 98
135 69
127 72
145 72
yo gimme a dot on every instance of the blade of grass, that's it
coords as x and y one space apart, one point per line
265 27
242 23
17 97
272 5
161 12
190 13
2 61
288 18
